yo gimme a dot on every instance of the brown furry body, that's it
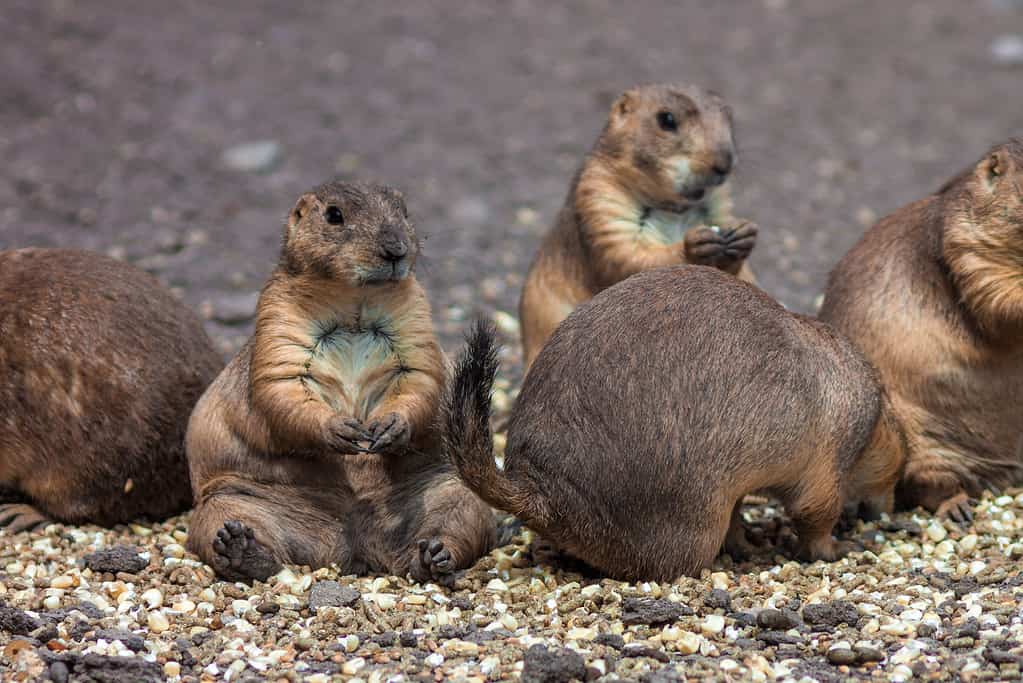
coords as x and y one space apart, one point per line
933 295
100 367
646 196
656 406
318 443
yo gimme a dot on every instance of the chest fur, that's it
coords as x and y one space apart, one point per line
665 227
353 362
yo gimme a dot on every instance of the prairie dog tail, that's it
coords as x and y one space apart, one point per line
468 441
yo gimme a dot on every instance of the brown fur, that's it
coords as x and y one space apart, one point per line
657 405
100 367
318 443
631 208
933 295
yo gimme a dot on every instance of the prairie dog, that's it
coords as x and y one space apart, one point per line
658 405
100 367
652 192
933 295
318 443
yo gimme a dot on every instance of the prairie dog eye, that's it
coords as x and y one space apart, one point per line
334 216
666 120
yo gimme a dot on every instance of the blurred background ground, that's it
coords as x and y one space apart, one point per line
118 120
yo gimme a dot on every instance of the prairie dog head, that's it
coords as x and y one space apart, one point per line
351 232
672 144
983 240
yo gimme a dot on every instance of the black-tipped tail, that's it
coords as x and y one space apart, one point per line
468 441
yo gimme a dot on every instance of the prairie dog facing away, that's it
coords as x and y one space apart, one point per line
658 405
100 367
652 192
933 295
318 444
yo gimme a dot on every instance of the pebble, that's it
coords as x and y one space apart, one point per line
936 532
157 622
259 156
153 598
353 666
713 624
332 594
842 655
780 620
1007 50
232 309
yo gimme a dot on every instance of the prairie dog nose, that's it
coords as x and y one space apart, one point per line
723 160
393 246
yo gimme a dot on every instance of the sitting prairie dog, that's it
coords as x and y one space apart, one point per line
933 295
100 367
318 444
652 192
656 406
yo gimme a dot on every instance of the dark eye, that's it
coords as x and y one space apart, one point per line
334 215
666 120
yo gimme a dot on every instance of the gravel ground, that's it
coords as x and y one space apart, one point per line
177 135
923 601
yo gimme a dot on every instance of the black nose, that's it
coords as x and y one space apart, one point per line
393 248
723 162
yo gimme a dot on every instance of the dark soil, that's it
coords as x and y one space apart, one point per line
115 115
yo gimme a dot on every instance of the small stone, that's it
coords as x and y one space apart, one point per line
470 210
157 622
652 612
552 665
831 613
117 559
234 308
64 581
688 643
841 655
258 156
460 648
610 640
353 666
959 643
17 622
171 669
713 624
778 638
1007 50
936 532
718 599
133 642
153 598
332 594
866 653
59 672
777 619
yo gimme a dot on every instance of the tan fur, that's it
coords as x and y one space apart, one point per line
644 198
933 295
285 442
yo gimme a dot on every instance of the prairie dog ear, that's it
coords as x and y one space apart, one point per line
997 164
624 106
306 203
